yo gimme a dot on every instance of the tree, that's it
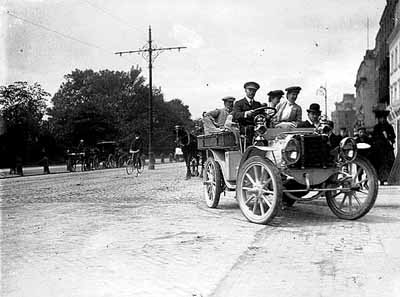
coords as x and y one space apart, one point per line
22 107
112 105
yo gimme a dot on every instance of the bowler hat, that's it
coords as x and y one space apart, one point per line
229 98
294 89
276 93
314 107
251 85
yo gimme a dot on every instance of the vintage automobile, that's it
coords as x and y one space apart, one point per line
107 154
285 165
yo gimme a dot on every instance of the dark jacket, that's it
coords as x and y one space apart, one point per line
305 124
240 108
137 144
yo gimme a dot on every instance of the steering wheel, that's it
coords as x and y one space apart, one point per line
264 108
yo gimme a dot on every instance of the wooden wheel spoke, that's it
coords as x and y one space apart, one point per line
343 200
255 206
248 189
357 200
350 202
250 178
256 176
250 198
262 208
357 174
267 201
267 192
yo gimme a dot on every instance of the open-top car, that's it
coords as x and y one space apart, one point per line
284 165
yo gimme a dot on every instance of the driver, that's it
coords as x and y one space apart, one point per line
243 109
313 113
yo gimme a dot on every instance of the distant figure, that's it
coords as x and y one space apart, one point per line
383 153
19 166
45 162
136 148
363 137
162 157
214 120
289 113
171 157
313 113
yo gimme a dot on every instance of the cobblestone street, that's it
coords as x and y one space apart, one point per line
104 233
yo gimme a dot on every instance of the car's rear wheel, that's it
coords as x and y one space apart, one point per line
212 182
358 188
259 190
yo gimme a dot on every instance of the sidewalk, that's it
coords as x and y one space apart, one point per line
55 169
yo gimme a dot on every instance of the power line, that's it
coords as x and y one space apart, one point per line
58 33
118 19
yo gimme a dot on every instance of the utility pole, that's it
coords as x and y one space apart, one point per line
150 54
324 91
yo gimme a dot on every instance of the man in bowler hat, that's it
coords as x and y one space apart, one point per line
313 113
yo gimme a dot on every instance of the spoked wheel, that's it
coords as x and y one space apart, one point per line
129 166
111 163
138 167
194 167
359 188
212 182
259 190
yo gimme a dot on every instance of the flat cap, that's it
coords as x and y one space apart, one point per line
229 98
294 89
276 93
251 85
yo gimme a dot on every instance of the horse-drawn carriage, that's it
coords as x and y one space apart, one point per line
110 154
284 166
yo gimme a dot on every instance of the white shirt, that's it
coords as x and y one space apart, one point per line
286 112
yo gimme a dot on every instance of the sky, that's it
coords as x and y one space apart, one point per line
308 43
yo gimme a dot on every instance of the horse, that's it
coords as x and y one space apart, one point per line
188 144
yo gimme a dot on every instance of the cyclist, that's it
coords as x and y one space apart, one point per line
136 148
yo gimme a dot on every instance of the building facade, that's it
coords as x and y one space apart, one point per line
345 114
366 92
394 76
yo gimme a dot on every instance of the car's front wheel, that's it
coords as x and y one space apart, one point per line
259 190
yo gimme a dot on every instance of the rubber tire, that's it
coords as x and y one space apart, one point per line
278 188
212 202
372 175
129 167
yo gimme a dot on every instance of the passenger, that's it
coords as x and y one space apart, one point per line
214 121
274 98
313 113
289 113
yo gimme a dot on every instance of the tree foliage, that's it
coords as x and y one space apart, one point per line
111 105
22 107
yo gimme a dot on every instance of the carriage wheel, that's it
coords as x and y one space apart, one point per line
121 161
259 190
96 163
359 183
194 167
212 182
130 166
111 163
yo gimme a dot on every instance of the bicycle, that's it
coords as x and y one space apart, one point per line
133 164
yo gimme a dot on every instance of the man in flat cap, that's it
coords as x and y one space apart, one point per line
313 113
289 112
243 109
214 120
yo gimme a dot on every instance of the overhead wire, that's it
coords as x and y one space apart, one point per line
109 51
118 19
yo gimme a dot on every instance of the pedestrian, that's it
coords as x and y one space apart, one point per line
45 162
162 158
171 157
364 138
383 140
289 113
19 165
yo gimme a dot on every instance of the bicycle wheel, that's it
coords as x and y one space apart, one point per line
139 168
129 166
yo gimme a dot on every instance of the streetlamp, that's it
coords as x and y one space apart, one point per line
324 91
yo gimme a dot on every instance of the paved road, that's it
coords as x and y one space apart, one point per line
103 233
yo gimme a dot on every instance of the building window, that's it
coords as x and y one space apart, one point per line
395 91
395 59
391 62
391 93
